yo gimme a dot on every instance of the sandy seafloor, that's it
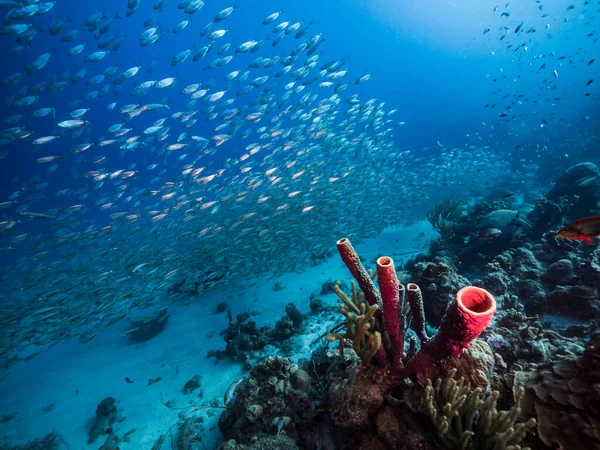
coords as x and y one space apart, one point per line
75 377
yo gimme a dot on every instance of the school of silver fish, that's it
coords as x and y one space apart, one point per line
189 187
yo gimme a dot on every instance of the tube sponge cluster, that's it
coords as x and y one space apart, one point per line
464 320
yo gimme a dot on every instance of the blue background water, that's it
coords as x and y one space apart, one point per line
430 61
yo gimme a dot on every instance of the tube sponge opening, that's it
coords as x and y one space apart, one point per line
385 261
475 301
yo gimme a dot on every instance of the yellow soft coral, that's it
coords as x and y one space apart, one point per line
466 418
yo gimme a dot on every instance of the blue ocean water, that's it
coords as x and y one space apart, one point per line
388 109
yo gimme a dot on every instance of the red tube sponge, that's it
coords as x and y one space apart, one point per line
415 300
464 320
389 287
358 271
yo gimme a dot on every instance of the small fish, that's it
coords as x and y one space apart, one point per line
280 424
128 380
34 215
224 14
584 230
230 393
48 408
587 181
272 17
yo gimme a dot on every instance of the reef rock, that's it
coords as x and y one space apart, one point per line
578 301
273 389
294 314
520 339
192 384
316 305
475 364
262 443
51 441
563 396
560 271
439 283
106 416
242 338
581 185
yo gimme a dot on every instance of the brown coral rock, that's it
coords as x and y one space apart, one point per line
564 396
475 364
358 399
388 427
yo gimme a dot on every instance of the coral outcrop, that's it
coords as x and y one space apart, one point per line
106 416
192 384
275 388
520 339
243 337
564 396
439 282
552 276
245 340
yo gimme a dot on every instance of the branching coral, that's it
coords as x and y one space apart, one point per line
381 319
360 326
443 215
466 418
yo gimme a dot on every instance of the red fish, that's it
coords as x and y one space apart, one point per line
584 230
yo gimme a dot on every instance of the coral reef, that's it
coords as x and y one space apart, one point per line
564 396
336 403
390 378
316 305
145 328
494 225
